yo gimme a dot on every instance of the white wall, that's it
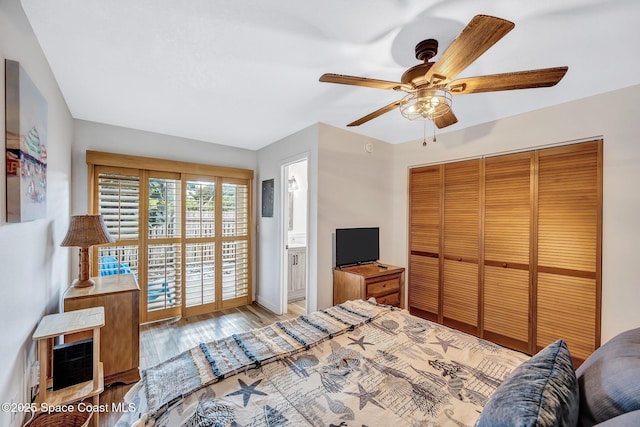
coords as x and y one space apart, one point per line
270 252
614 117
114 139
34 269
355 189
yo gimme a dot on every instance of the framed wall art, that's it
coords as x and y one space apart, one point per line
26 146
267 198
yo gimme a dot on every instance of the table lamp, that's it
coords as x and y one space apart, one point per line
85 231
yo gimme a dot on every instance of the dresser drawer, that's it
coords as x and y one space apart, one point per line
393 299
385 283
384 287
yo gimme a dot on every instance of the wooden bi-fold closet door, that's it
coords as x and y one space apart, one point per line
569 247
424 242
460 236
509 247
507 264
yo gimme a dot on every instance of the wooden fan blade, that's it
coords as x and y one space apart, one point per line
376 113
479 35
446 120
545 77
363 81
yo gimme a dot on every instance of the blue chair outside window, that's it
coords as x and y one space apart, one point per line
109 266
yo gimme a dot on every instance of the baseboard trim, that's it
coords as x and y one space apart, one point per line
266 304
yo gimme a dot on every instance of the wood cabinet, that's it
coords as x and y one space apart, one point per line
386 285
87 321
509 247
119 295
297 273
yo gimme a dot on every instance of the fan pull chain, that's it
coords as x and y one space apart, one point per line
424 134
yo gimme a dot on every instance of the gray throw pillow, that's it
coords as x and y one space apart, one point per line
609 379
630 419
541 392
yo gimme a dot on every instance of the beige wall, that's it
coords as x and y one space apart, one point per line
115 139
612 116
34 269
354 190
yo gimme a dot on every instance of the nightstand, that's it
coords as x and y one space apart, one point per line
384 282
54 325
120 345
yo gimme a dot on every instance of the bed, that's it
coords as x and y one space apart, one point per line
355 364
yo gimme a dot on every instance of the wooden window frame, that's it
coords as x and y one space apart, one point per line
145 167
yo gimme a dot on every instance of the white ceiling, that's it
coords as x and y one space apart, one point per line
245 73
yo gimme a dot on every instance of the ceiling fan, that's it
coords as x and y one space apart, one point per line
430 85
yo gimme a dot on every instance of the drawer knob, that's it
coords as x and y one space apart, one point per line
504 265
459 258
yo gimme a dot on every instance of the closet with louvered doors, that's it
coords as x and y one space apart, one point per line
512 253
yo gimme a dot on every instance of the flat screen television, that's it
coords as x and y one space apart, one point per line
357 245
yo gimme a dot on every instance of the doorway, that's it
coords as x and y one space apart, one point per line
294 226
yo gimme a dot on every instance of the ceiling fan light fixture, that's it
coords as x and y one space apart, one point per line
426 104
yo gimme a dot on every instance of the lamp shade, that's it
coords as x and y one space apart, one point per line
87 230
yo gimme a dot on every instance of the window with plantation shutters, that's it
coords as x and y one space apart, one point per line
182 229
164 244
235 240
118 201
200 246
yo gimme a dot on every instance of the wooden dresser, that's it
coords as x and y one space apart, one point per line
386 285
120 337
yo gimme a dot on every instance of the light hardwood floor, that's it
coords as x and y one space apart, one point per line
297 307
162 340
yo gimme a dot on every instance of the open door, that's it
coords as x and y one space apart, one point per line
294 225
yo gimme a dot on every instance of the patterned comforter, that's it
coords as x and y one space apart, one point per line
354 364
